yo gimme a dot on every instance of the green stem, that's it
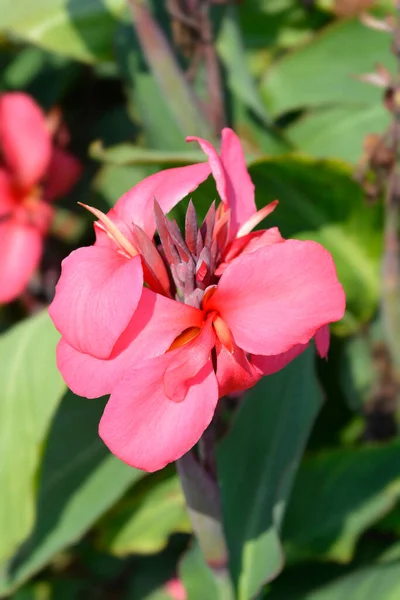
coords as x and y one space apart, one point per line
204 504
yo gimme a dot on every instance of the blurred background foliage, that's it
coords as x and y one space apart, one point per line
310 468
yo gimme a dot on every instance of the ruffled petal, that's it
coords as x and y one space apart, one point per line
96 296
64 172
234 372
20 250
279 296
157 322
144 428
168 187
241 188
24 138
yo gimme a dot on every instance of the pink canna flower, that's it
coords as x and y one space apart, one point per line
222 306
33 172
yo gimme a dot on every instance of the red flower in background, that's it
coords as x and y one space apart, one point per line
34 171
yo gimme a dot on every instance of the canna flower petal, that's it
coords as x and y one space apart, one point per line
232 179
145 429
267 365
249 243
8 199
20 251
24 138
216 166
188 362
156 323
234 371
168 187
322 341
96 296
63 173
241 188
279 296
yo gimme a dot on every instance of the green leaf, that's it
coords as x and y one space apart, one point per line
199 581
320 201
308 77
144 525
358 371
114 180
31 390
338 132
240 80
148 105
81 29
173 86
256 464
129 154
371 583
79 480
350 490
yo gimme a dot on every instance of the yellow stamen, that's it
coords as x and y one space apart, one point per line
223 333
112 231
185 337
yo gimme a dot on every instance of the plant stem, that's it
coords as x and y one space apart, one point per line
204 505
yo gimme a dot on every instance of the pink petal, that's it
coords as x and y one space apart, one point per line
24 138
249 243
8 198
268 365
241 189
157 322
20 251
96 297
234 371
64 172
279 296
187 362
256 218
322 341
216 166
168 187
145 429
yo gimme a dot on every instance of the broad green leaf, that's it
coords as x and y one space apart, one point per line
81 29
199 581
256 465
79 480
320 201
322 71
144 525
371 583
338 132
31 388
350 490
